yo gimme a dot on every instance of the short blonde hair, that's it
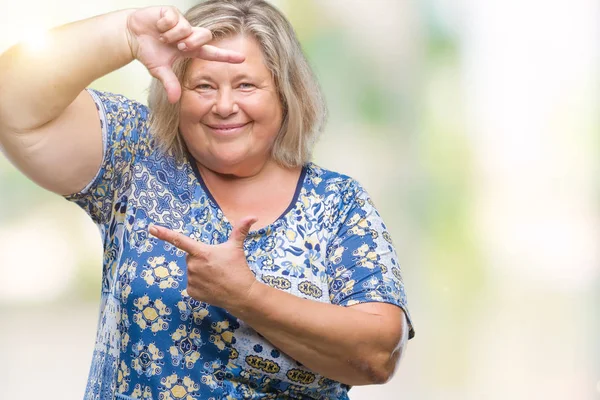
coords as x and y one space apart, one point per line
304 110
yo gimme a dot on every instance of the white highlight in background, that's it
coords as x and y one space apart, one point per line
531 79
36 39
37 261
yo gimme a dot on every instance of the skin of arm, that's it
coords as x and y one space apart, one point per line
74 56
49 126
357 345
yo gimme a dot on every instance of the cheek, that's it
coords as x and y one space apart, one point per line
267 114
194 106
191 111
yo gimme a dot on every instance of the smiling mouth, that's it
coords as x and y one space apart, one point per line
227 128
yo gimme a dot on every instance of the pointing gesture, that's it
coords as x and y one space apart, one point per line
216 274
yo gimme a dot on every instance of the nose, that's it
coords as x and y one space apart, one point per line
225 104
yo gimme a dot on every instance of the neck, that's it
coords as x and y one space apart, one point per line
265 194
235 178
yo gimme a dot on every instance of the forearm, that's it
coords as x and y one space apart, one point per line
341 343
37 85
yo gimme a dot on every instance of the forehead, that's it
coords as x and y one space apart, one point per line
254 64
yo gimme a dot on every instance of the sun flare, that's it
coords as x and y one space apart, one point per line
36 39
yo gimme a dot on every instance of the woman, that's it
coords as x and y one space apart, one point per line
233 267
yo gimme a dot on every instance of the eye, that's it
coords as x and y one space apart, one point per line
246 86
203 87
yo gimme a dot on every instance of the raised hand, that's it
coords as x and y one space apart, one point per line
159 35
216 274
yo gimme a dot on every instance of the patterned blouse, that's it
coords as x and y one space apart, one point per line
156 342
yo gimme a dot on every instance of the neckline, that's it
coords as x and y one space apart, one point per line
261 231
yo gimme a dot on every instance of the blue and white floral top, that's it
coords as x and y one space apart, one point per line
156 342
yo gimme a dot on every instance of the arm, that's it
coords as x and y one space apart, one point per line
359 338
357 345
54 135
49 127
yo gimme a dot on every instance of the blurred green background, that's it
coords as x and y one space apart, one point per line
474 126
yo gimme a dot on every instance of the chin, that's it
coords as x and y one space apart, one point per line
230 160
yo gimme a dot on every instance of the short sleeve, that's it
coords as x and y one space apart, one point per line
362 264
125 137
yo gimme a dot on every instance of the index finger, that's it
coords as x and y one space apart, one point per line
177 239
213 53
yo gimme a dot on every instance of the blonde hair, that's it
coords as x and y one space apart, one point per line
304 110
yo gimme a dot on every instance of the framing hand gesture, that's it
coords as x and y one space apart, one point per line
160 35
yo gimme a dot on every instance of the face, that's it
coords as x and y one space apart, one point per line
230 114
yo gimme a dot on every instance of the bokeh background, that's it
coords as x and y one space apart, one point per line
474 125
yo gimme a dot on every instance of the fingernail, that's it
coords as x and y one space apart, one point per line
153 230
162 38
182 46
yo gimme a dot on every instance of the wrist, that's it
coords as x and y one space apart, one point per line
130 39
248 303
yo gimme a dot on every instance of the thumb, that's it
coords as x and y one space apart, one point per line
169 81
240 231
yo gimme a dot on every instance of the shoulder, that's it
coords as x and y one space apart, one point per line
327 182
342 196
119 107
125 125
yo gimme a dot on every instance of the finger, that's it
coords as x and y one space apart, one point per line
178 240
212 53
182 30
240 231
169 17
170 82
198 38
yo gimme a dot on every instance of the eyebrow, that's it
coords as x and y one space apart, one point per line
241 77
237 77
200 78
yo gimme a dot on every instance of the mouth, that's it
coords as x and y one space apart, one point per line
227 128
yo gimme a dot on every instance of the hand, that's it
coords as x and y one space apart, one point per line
217 274
160 35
